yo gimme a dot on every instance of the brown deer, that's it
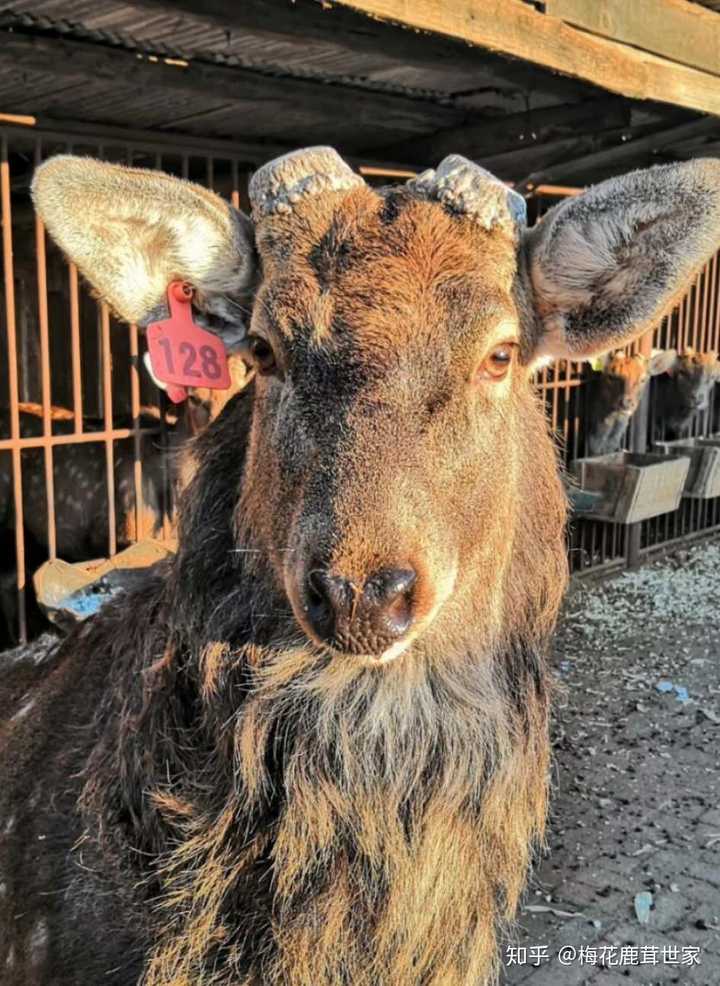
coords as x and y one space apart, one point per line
614 392
313 749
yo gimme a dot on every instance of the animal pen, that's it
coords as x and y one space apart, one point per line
81 377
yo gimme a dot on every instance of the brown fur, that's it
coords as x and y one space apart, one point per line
425 884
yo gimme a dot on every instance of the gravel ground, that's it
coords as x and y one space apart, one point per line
629 890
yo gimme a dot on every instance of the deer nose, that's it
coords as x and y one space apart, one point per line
360 620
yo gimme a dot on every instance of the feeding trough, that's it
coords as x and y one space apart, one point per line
633 485
703 478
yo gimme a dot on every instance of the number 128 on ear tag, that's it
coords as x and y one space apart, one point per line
182 352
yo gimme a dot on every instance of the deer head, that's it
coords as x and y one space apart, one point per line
399 487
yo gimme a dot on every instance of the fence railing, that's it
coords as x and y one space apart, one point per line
63 352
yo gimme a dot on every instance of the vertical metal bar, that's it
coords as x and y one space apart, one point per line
9 281
703 281
99 340
682 326
135 411
693 294
166 498
714 321
235 194
75 346
108 422
638 443
712 311
41 263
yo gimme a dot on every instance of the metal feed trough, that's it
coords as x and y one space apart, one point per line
703 478
634 485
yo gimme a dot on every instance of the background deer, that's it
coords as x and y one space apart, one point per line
685 391
614 392
313 749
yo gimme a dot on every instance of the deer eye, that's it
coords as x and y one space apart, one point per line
498 361
261 354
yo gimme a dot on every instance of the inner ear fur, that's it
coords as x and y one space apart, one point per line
606 265
131 231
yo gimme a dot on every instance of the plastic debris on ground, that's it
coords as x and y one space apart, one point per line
643 902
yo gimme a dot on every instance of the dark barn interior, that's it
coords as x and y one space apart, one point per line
548 96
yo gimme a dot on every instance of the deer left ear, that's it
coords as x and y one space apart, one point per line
605 266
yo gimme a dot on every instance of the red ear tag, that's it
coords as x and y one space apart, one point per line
183 354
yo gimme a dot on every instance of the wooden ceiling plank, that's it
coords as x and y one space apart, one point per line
266 93
517 130
331 23
571 170
675 29
517 29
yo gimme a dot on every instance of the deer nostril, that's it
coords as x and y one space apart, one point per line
328 599
390 593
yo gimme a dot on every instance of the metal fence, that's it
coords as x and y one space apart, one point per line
69 365
695 322
80 375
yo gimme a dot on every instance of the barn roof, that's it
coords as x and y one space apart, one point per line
530 93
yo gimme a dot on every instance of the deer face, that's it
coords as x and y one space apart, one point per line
399 481
694 376
622 380
387 339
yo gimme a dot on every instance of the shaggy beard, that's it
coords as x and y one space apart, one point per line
376 824
312 821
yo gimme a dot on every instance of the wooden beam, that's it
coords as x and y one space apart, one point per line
322 22
517 131
679 31
155 141
277 98
23 121
685 152
517 29
617 157
247 153
515 165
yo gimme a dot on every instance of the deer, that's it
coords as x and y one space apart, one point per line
685 391
312 748
614 391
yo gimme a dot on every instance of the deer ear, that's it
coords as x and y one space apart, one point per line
132 231
606 265
662 361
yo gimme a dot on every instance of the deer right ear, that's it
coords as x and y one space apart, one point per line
131 231
606 265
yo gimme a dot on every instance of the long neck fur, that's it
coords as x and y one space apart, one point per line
300 821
